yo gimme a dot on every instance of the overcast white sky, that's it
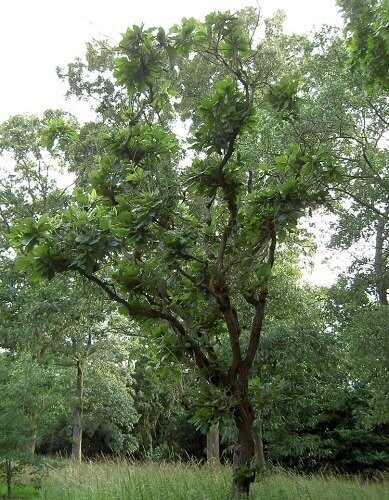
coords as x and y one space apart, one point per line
38 35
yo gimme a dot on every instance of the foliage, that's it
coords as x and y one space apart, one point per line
363 327
110 410
46 327
17 423
368 42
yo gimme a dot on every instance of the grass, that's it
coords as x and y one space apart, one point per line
19 491
117 480
121 480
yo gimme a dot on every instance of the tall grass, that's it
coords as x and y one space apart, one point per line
121 480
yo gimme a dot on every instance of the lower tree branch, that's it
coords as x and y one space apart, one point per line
215 375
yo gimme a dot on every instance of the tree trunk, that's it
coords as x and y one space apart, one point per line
380 265
213 451
8 474
77 415
259 453
31 443
244 451
30 446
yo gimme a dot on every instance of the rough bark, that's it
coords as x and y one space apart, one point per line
244 451
77 414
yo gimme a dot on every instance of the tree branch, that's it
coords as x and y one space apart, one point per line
361 202
215 375
378 113
259 302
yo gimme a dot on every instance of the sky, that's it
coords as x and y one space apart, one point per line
36 36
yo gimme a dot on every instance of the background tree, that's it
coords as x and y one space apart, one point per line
358 121
45 327
367 29
22 389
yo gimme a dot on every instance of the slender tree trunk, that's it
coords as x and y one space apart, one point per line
77 414
259 453
31 444
213 450
8 473
379 264
244 451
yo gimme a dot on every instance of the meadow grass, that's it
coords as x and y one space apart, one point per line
122 480
20 491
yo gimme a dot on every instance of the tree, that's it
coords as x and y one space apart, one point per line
43 341
298 357
21 388
357 122
190 251
27 187
367 27
75 358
